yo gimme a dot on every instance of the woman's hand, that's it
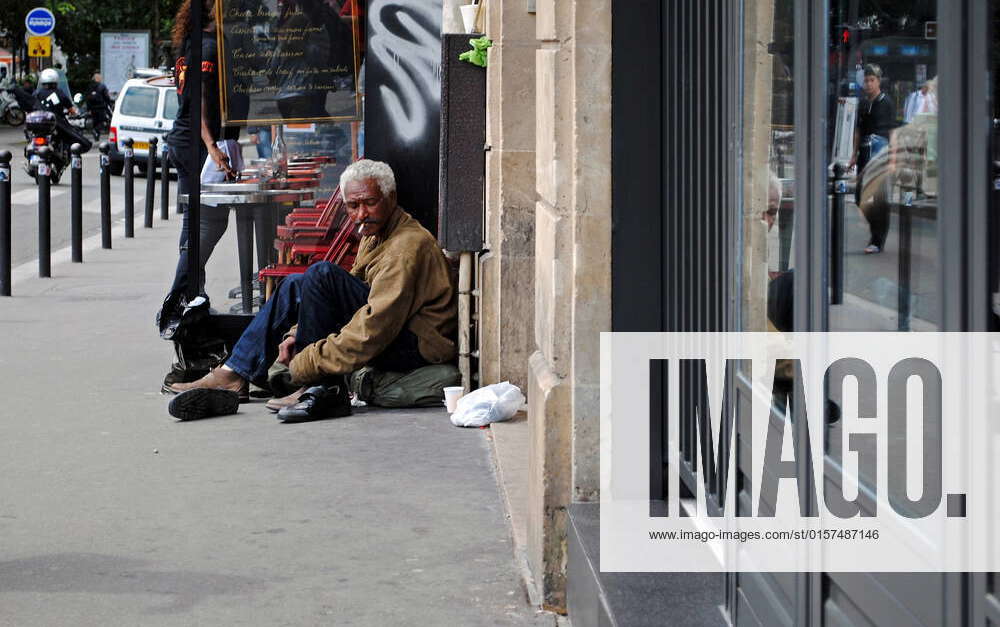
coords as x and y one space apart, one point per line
219 158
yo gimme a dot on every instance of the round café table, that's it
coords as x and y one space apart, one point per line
257 210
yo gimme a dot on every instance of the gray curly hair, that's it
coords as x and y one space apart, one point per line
365 169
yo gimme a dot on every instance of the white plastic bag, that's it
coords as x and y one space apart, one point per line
493 403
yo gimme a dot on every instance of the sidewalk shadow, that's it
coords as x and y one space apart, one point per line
93 573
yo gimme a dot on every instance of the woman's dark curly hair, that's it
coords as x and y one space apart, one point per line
182 21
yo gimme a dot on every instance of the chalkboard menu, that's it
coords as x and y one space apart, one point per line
288 61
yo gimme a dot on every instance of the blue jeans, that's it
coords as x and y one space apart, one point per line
212 225
263 141
321 302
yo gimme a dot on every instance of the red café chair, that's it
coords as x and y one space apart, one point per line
300 215
308 227
341 249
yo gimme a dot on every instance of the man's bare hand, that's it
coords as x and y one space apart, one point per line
286 350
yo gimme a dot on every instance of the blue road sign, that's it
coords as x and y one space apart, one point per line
40 21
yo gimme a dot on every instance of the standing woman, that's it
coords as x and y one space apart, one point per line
213 223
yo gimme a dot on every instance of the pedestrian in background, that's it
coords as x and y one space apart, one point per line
924 100
876 120
99 102
260 136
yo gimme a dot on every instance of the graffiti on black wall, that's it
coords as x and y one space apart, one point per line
404 38
403 98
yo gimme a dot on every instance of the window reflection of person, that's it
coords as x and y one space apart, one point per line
923 100
770 217
876 119
781 284
914 145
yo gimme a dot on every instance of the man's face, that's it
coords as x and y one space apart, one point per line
873 85
367 207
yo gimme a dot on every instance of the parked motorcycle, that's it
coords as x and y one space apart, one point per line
40 129
10 110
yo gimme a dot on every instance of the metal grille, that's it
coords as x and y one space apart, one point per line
676 185
701 182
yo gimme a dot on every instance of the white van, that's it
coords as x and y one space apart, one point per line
145 108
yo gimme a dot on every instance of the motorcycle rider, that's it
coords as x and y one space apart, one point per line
24 93
53 99
99 101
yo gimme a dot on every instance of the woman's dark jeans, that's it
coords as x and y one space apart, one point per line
321 302
213 222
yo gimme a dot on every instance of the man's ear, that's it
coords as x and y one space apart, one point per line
392 198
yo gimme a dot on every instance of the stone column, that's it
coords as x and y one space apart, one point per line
572 273
506 272
757 89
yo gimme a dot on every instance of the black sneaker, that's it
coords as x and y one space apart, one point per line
319 402
204 403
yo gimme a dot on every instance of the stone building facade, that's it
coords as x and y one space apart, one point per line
545 282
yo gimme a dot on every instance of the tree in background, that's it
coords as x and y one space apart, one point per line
12 29
79 24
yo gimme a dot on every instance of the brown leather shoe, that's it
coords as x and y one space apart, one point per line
277 404
217 379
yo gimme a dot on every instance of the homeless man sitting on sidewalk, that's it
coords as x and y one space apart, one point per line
395 310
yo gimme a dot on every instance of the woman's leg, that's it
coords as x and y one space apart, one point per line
179 159
212 224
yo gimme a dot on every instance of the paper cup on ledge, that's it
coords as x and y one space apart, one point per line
452 394
469 17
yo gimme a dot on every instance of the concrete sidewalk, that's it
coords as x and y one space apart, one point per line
111 513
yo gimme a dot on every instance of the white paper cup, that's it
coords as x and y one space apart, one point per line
451 396
469 17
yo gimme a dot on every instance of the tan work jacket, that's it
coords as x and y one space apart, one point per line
410 288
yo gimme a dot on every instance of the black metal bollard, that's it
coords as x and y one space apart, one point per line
907 193
44 213
129 189
5 223
105 148
165 184
837 235
150 183
76 202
